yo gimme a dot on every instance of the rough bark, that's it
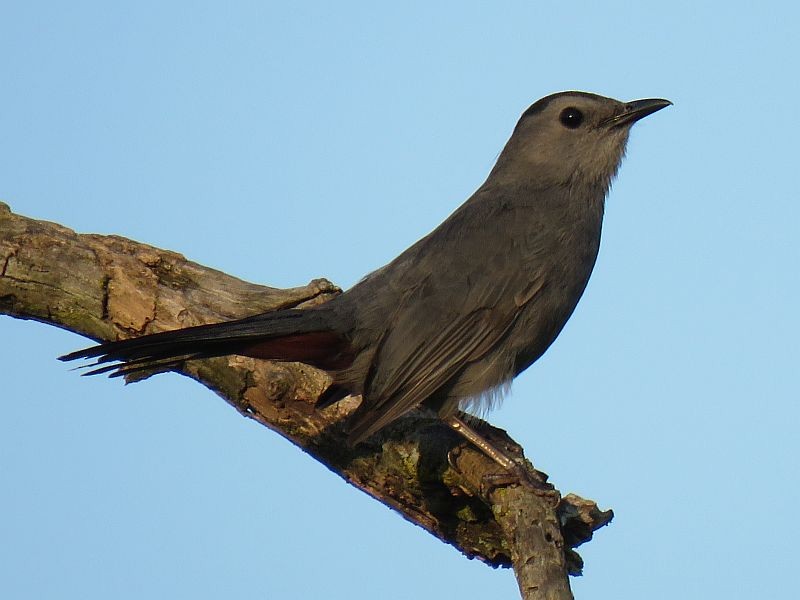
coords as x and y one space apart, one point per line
109 287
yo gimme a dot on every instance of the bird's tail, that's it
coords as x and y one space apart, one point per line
289 335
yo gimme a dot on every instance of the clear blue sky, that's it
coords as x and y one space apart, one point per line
282 142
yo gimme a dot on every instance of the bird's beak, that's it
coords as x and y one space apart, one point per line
638 109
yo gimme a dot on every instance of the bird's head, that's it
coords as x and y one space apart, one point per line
571 137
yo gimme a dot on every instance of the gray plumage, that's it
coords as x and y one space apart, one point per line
468 307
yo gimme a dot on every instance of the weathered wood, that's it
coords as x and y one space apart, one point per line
109 287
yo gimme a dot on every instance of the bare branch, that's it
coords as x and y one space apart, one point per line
109 287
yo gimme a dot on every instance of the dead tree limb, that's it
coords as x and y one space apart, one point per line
109 287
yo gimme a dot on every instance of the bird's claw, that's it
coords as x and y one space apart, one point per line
534 480
531 478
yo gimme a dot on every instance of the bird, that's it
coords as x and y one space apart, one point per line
453 319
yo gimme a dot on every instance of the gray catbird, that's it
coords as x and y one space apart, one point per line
455 317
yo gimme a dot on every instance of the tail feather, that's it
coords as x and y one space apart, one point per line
290 335
136 366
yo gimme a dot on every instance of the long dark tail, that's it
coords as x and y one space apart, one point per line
290 335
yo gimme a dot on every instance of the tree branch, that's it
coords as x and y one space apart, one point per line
109 287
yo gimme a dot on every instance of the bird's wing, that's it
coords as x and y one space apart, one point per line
428 366
452 317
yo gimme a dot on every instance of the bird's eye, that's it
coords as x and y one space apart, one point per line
571 118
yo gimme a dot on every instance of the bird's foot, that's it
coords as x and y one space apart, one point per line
532 479
514 473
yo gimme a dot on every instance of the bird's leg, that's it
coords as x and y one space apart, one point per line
515 471
489 449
